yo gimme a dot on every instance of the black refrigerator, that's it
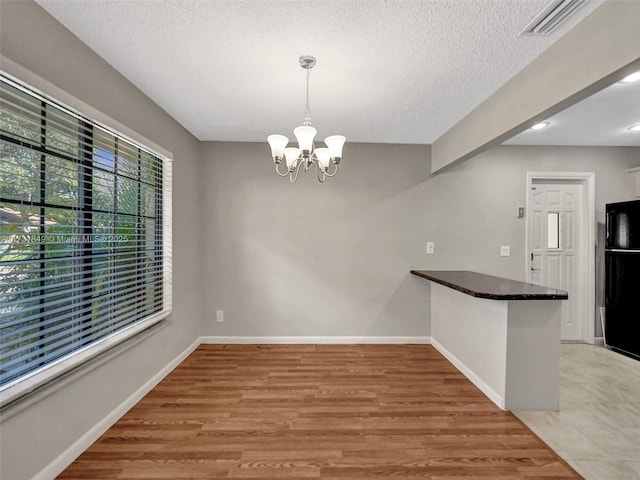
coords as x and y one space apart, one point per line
622 277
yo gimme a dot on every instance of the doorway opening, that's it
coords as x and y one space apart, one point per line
560 245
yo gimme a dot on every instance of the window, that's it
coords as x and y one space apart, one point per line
84 239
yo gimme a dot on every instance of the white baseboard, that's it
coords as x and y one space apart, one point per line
486 389
598 341
70 454
315 340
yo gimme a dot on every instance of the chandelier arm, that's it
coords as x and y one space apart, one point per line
312 161
322 175
293 176
281 174
331 174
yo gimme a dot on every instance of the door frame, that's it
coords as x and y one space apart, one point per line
588 181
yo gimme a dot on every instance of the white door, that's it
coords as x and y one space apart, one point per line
557 248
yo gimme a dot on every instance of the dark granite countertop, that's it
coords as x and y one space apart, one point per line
487 286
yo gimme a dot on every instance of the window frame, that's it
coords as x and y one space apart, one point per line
51 373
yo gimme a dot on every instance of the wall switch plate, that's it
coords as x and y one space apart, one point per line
505 251
220 316
430 248
520 213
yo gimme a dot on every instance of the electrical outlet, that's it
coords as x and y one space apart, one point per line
430 248
505 251
220 316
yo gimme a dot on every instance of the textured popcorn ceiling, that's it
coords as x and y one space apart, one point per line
388 71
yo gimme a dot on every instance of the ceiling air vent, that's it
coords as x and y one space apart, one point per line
554 14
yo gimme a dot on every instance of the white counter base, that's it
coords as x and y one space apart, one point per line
510 349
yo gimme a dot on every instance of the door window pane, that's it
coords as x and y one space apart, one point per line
553 230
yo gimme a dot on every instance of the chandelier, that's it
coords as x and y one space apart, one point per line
306 155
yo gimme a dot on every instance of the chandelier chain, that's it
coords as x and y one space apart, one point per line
307 111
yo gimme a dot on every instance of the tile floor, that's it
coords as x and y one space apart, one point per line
597 430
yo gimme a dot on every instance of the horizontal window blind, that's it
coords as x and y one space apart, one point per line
85 252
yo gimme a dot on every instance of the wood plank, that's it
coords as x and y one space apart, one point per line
317 411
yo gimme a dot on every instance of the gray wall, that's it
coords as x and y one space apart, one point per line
477 211
307 259
36 436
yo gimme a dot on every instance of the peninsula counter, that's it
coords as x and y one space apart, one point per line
502 334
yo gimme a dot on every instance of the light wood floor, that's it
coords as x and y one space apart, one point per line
317 411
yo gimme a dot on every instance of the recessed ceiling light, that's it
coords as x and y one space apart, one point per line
634 128
539 126
634 77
